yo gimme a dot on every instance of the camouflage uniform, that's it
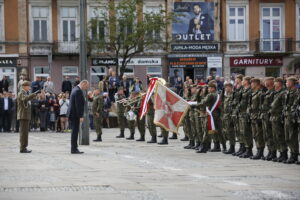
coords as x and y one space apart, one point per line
228 121
150 122
121 115
97 107
141 123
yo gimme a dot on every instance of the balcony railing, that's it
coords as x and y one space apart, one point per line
274 45
62 47
40 48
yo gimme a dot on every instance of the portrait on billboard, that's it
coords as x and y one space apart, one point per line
194 21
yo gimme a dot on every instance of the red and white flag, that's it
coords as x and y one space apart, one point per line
170 108
211 122
146 98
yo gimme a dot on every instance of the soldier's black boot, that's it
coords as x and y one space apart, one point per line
159 135
186 138
121 134
272 156
259 154
241 150
153 140
191 144
231 150
164 141
224 148
99 139
196 145
173 137
131 137
141 139
267 157
275 159
293 159
283 156
202 149
248 153
216 148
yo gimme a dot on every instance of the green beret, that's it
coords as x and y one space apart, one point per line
255 80
26 83
292 78
280 80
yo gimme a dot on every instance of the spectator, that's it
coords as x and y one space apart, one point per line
113 84
103 85
179 86
77 81
298 83
49 86
52 118
66 85
201 82
14 113
1 111
5 84
34 113
137 86
209 78
174 79
125 84
43 111
220 83
6 105
56 107
35 85
90 111
187 81
106 109
22 79
64 105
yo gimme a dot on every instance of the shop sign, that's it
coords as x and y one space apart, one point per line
103 61
143 61
194 47
255 61
214 62
8 62
188 61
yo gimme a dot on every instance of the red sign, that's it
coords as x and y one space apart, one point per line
255 61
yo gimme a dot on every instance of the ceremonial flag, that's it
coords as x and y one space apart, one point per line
170 108
210 120
146 98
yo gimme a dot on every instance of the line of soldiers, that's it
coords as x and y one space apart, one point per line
252 110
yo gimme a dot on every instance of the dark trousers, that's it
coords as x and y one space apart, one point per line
6 120
75 130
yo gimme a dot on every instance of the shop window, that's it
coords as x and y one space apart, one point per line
236 24
237 70
273 71
129 71
97 73
41 71
68 23
40 20
71 72
154 71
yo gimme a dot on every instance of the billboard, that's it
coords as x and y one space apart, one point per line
194 21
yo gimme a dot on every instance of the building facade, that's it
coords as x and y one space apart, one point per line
209 37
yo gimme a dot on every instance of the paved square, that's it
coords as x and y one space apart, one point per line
122 169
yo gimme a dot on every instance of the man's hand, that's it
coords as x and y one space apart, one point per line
81 119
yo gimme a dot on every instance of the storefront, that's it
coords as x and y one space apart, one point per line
8 70
256 66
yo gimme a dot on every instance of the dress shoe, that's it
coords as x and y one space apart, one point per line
173 137
25 151
185 138
153 140
248 153
76 152
230 150
121 134
164 141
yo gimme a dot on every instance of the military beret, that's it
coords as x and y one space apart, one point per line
247 78
269 78
193 85
292 78
240 76
255 80
228 84
212 84
279 79
26 83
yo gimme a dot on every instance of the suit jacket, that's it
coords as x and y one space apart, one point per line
66 86
206 24
5 85
24 105
10 104
76 106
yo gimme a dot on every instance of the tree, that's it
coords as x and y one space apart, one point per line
131 31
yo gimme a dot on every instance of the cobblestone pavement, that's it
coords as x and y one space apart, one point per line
121 169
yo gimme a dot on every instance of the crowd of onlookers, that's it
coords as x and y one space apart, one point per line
49 111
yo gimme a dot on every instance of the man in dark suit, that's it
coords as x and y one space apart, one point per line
6 105
75 112
201 23
5 84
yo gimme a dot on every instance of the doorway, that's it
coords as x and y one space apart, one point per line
10 73
189 72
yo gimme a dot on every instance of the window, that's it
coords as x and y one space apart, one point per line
126 28
271 26
155 32
129 70
1 24
71 72
238 70
42 71
154 71
68 23
40 16
97 73
273 71
97 24
236 24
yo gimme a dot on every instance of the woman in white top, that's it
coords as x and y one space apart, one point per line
64 104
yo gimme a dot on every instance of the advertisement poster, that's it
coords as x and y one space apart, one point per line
194 21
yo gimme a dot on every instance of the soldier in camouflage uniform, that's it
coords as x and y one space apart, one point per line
131 123
203 118
186 121
121 111
265 116
97 109
141 123
24 114
235 114
290 124
165 135
209 101
276 110
244 119
256 123
150 121
297 106
228 121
